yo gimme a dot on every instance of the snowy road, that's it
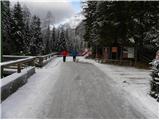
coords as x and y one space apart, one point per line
72 90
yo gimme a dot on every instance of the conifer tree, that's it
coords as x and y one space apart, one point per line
17 30
53 39
27 31
123 23
36 43
7 42
61 44
48 41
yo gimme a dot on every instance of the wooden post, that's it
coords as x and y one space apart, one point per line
32 63
19 68
40 61
2 72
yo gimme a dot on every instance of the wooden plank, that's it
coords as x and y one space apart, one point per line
17 61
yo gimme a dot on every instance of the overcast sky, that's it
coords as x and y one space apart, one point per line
61 9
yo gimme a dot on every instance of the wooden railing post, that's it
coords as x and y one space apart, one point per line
2 71
19 68
32 62
40 61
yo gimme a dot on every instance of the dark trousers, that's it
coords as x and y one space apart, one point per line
74 58
64 58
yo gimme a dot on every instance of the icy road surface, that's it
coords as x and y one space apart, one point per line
73 90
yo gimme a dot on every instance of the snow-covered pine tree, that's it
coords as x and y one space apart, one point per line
36 43
47 35
8 46
17 30
57 36
143 28
48 19
27 32
109 22
53 39
48 41
61 44
89 13
69 44
58 40
154 92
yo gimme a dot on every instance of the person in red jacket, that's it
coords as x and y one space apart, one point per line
64 54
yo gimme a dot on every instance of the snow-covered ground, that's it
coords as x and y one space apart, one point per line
39 86
14 76
37 93
134 81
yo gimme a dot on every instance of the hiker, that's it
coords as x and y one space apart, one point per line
74 54
64 54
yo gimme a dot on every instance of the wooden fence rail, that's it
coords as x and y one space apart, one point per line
41 59
6 58
37 61
18 63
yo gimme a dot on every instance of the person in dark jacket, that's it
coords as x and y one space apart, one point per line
74 54
64 54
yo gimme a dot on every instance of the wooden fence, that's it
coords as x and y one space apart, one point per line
23 61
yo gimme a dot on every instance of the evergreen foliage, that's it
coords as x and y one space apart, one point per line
48 41
27 29
17 31
61 43
53 39
7 42
36 43
123 23
20 34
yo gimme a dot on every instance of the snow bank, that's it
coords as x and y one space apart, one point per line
10 78
134 81
12 82
33 96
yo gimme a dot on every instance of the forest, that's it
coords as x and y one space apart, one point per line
26 34
106 23
123 23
